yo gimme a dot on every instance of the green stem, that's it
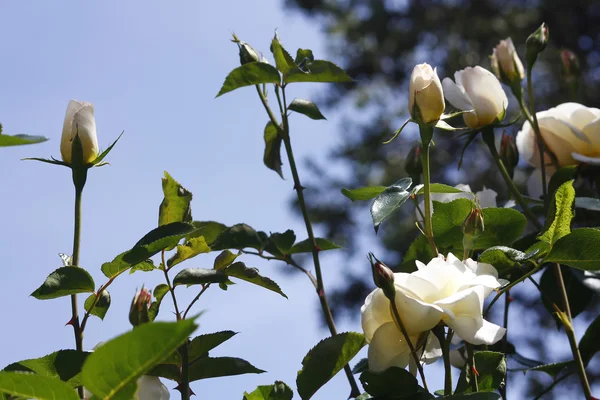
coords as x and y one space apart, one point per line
538 135
204 287
585 385
185 372
285 133
488 138
426 137
445 341
413 351
472 367
75 262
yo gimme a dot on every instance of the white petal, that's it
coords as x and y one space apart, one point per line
585 159
592 132
417 316
487 198
476 330
486 94
151 388
526 144
375 312
433 349
456 95
388 349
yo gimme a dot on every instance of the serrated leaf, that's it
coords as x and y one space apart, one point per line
175 206
33 386
280 244
364 193
439 188
325 360
201 345
207 229
552 369
491 367
214 367
21 139
121 361
101 306
156 240
303 57
240 271
272 155
277 391
224 259
317 71
65 281
560 214
579 249
504 258
190 249
63 364
391 382
238 237
361 366
159 292
389 200
253 73
198 276
306 246
306 107
283 59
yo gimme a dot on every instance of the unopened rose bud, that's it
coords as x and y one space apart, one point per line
383 277
571 67
412 163
247 53
506 63
472 228
509 154
536 43
79 121
426 97
138 312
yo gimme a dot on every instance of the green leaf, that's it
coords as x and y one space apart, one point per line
361 366
144 266
159 292
201 345
589 343
65 281
560 214
240 271
156 240
440 188
198 276
503 226
389 200
303 56
121 361
17 140
102 305
191 249
207 229
283 242
563 175
175 206
253 73
214 367
224 259
364 193
504 258
325 360
475 396
392 382
283 59
587 203
317 71
33 386
579 249
492 370
552 369
272 155
98 160
63 364
306 246
238 237
307 108
578 294
277 391
420 250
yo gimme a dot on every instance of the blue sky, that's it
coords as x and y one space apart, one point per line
152 69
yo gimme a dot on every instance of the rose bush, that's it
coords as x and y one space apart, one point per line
479 92
445 290
79 119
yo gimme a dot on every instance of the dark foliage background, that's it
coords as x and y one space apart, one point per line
378 42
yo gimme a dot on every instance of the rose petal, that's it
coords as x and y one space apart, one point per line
586 160
388 349
417 316
456 95
375 312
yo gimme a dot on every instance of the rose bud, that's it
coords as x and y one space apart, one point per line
79 121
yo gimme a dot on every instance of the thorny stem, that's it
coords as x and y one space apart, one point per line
400 324
204 287
284 131
472 367
78 332
488 138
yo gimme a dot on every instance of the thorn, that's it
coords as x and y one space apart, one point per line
317 248
179 388
510 299
70 322
298 187
321 293
474 370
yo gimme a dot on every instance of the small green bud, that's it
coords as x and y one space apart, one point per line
383 277
571 67
509 154
472 228
247 53
140 305
536 43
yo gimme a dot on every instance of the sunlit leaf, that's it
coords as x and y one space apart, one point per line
272 155
63 364
277 391
175 206
579 249
101 306
65 281
306 107
31 386
240 271
317 71
253 73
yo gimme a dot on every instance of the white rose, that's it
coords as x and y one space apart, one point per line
79 119
447 290
571 131
425 97
506 63
479 90
486 197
